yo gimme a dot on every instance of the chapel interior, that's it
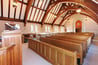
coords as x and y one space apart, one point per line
48 32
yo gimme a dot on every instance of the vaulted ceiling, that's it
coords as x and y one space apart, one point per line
53 12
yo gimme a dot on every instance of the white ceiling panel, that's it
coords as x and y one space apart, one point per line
18 10
39 15
36 14
58 20
43 4
29 13
5 8
33 12
12 9
42 16
26 1
36 2
0 7
47 4
23 11
40 3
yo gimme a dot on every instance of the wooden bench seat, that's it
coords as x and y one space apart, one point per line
66 45
53 54
84 43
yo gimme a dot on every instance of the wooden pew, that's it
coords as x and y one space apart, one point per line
84 43
66 45
77 37
53 54
11 51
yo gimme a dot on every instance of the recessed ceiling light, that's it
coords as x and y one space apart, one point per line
96 1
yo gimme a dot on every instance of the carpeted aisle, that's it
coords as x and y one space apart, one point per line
92 56
31 58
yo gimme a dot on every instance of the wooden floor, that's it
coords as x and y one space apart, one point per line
31 58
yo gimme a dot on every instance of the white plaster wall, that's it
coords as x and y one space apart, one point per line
27 28
88 25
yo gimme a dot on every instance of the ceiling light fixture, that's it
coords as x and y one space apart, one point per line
96 1
15 3
78 10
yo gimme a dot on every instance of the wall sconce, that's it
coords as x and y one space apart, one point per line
15 3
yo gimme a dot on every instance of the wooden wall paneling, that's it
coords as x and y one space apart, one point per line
9 9
11 42
5 8
20 10
12 10
23 12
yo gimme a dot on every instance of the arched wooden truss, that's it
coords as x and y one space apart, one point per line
71 5
38 11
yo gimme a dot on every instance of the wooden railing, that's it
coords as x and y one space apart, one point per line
11 52
53 54
4 55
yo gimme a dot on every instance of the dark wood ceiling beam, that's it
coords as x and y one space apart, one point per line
61 14
15 12
1 8
44 23
9 9
10 19
27 11
81 14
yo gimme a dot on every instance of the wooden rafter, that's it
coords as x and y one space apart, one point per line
76 13
62 1
27 11
15 13
1 8
9 9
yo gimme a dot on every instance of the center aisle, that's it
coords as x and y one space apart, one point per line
31 58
